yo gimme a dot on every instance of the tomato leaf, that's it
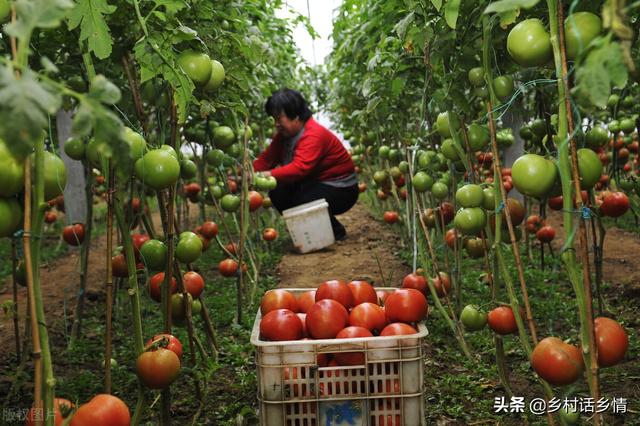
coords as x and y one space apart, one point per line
32 14
104 91
510 5
171 6
155 56
451 10
397 85
401 27
602 67
25 106
437 4
508 18
90 16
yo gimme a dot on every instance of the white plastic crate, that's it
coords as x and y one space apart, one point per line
386 391
309 226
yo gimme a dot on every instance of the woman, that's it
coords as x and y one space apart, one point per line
308 160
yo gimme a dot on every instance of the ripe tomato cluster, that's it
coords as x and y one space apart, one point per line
341 310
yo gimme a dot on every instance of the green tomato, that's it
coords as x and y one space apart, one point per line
55 176
11 172
241 133
590 168
614 127
505 137
189 249
448 149
74 148
533 175
569 416
580 29
404 166
538 127
628 101
188 169
526 133
481 92
383 151
154 255
446 122
613 100
380 177
196 65
504 87
230 203
215 157
478 137
137 144
470 221
10 216
395 172
470 196
472 318
628 125
596 137
217 76
422 182
440 190
395 155
217 192
96 151
158 169
476 76
528 43
489 199
223 136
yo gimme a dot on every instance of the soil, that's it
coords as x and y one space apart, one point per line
369 247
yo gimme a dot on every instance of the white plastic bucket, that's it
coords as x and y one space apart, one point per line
309 226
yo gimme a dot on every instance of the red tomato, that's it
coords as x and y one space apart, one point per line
50 217
447 212
191 189
450 238
368 315
382 296
158 368
155 286
209 229
398 329
167 341
232 248
546 234
269 234
557 362
193 283
119 266
502 321
278 299
255 200
391 217
306 300
228 267
555 203
326 318
303 319
362 292
351 358
281 324
533 223
337 290
102 410
406 305
612 341
73 234
362 187
614 204
135 205
415 281
442 283
138 241
61 407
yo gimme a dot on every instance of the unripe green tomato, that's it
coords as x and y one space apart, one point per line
580 29
476 76
440 190
74 148
528 43
196 65
469 195
188 169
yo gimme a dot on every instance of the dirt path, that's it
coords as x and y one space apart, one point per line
352 258
621 249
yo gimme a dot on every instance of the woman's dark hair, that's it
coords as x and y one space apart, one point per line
289 101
